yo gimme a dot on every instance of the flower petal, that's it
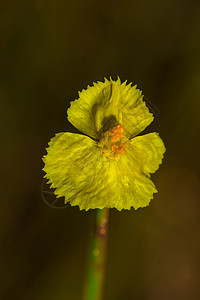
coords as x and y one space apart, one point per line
131 188
76 168
70 160
148 151
108 104
79 171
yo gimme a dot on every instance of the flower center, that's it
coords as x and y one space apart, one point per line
112 143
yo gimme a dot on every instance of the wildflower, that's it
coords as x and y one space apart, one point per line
109 166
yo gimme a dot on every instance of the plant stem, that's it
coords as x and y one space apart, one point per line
95 280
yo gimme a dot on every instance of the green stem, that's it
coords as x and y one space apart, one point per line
95 280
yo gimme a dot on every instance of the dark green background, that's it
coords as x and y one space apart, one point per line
50 50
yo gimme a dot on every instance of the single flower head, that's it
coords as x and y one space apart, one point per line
108 165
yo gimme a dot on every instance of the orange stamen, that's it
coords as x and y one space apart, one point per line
122 149
118 149
115 149
117 132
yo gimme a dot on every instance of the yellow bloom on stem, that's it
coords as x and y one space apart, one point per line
110 165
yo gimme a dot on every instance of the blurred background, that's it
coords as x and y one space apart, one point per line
49 51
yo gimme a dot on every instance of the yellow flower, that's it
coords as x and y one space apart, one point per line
110 165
